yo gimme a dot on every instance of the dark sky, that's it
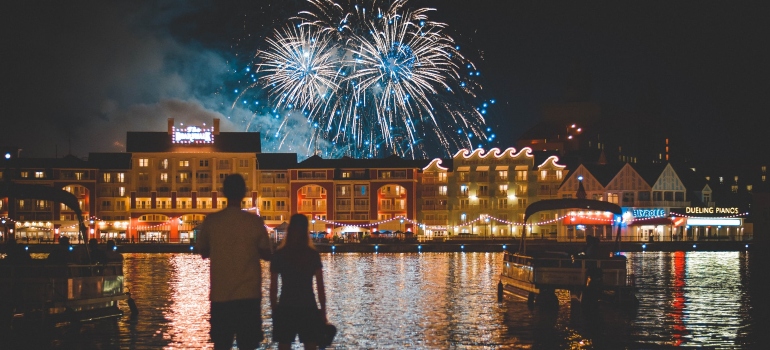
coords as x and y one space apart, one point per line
82 73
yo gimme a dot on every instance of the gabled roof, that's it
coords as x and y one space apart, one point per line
316 162
236 142
114 161
692 181
276 161
67 162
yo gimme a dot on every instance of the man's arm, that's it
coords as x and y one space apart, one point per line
273 290
264 247
202 242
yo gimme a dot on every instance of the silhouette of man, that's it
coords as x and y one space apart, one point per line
61 254
235 240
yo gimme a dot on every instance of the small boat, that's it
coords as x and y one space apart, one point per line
41 292
589 277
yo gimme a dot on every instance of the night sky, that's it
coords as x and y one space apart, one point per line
76 75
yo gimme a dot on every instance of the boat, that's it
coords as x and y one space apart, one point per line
39 292
589 276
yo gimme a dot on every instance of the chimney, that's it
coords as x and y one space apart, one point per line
170 126
216 126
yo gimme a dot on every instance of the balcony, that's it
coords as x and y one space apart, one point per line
314 194
281 193
463 194
281 208
393 194
361 207
434 207
312 208
266 180
391 208
436 222
433 180
267 194
482 193
502 193
343 207
548 178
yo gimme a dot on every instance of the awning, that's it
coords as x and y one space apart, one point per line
650 222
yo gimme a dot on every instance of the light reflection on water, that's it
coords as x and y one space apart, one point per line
448 301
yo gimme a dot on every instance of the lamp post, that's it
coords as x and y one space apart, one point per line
91 235
313 221
402 225
486 227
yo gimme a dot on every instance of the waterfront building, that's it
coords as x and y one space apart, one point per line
172 181
36 220
659 203
488 192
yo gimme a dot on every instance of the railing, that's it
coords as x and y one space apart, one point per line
343 207
434 207
360 207
312 208
281 208
281 193
433 180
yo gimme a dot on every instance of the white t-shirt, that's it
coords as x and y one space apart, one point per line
233 237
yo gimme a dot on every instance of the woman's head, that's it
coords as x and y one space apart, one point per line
297 234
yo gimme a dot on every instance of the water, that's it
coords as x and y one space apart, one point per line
448 301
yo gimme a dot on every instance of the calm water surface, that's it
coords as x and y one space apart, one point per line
448 301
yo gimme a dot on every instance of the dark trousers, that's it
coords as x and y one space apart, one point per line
239 319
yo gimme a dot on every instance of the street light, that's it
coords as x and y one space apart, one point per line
313 221
486 227
402 225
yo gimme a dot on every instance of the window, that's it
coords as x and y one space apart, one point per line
203 163
522 203
612 198
361 190
442 177
734 188
267 205
464 190
39 175
121 177
483 175
345 174
442 190
41 204
80 175
224 164
503 190
384 175
24 174
121 191
144 176
184 163
502 203
164 164
343 190
106 205
521 190
144 162
107 177
280 205
464 204
521 175
502 175
559 174
164 177
243 163
628 197
120 205
483 190
707 197
281 176
184 177
484 203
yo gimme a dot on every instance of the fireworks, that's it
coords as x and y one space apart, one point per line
371 81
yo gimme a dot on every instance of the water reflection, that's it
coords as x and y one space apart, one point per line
449 301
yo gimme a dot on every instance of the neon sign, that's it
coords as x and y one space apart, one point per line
192 134
648 212
711 210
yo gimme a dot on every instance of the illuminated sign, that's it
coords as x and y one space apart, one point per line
192 134
640 213
713 222
711 210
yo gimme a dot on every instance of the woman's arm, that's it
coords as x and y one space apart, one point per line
273 290
319 280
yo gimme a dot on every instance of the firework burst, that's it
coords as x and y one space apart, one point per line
373 81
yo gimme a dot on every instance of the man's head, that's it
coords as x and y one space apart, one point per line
64 240
93 243
234 188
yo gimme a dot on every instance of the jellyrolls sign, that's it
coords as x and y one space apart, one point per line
644 213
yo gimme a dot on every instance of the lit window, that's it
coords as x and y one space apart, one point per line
164 164
184 163
442 190
121 177
121 191
24 174
107 177
39 174
144 162
164 177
